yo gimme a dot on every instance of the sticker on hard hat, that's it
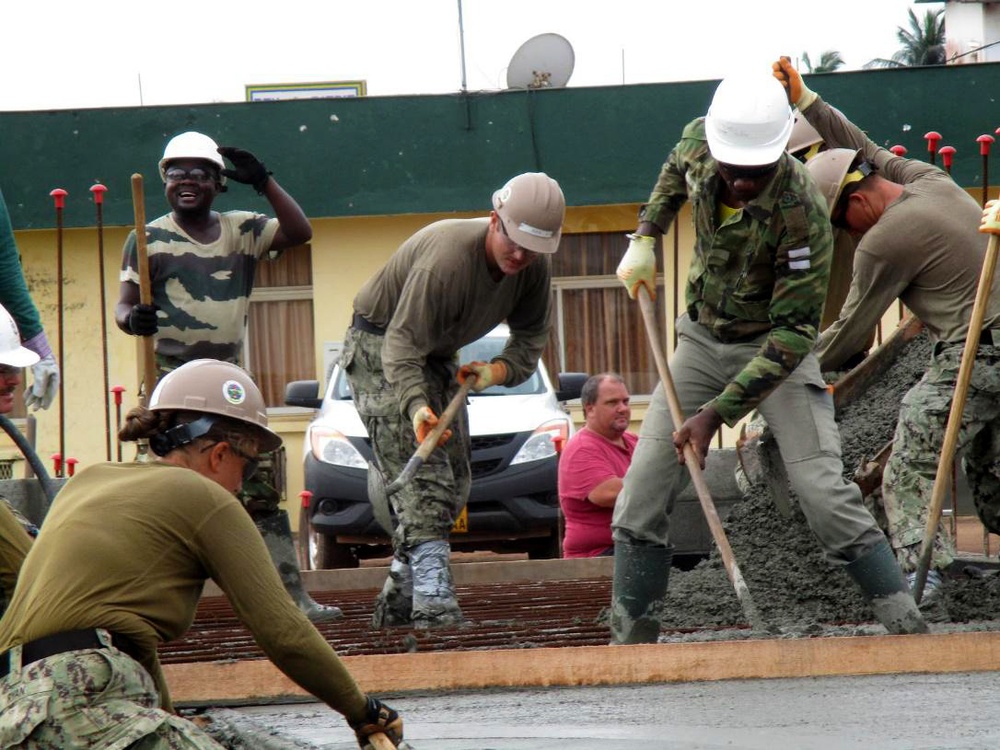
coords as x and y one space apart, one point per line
234 392
528 229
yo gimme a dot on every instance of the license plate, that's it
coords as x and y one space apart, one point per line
461 525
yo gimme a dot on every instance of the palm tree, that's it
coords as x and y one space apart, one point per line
829 62
923 43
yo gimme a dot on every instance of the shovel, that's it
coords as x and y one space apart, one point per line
379 491
694 466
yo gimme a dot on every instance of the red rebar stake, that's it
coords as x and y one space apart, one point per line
899 149
985 141
98 191
71 466
56 464
947 156
59 196
932 137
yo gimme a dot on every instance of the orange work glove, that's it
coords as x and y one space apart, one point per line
487 374
425 420
800 95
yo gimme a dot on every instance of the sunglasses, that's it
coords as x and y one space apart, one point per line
176 174
250 463
503 231
738 172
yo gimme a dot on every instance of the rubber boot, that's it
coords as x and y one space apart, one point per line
882 581
394 605
277 533
637 591
434 601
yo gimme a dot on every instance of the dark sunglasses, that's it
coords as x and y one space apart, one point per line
250 462
737 172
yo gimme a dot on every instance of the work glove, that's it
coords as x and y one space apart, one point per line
425 420
43 390
799 94
487 374
379 718
248 168
638 265
990 223
142 320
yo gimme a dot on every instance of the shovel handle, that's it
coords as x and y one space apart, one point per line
430 442
380 741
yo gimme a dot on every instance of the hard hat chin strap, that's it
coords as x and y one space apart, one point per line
180 435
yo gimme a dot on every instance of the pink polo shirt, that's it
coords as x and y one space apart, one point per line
588 460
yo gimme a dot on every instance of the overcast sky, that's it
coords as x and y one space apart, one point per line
70 54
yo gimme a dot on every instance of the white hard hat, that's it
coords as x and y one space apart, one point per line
11 351
749 121
191 145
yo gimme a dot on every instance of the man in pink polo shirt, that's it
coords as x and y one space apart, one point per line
592 466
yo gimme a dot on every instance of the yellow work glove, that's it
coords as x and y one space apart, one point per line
990 223
799 94
425 420
487 374
638 265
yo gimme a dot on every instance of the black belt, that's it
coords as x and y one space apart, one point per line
59 643
363 324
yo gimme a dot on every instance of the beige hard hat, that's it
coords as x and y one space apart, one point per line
832 171
11 351
532 207
804 136
191 145
749 121
213 387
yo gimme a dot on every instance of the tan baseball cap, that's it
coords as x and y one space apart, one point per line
532 207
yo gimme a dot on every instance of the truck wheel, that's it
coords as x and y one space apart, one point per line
324 553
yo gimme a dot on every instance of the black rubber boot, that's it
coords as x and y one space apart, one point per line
277 533
638 589
434 602
882 581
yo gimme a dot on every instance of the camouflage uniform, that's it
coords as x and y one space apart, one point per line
428 505
908 481
95 698
755 292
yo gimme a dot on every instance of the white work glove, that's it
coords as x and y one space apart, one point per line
45 386
638 265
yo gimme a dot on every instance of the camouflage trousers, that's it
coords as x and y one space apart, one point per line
426 506
908 480
95 699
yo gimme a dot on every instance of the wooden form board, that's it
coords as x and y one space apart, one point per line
258 681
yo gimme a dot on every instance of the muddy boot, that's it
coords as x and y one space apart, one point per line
277 533
637 591
434 602
394 605
885 588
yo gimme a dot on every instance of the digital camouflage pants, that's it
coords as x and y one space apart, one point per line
908 480
96 699
426 507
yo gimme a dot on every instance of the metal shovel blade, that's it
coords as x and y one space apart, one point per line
379 498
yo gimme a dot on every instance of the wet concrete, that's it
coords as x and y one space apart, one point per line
897 712
792 585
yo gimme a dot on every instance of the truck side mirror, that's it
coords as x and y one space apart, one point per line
570 385
303 393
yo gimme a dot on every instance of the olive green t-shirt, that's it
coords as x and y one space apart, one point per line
129 546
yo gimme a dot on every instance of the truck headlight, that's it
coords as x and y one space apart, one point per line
332 447
541 445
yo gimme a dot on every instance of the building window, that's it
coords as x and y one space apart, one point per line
596 326
280 341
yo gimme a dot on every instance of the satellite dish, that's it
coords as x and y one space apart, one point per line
544 61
